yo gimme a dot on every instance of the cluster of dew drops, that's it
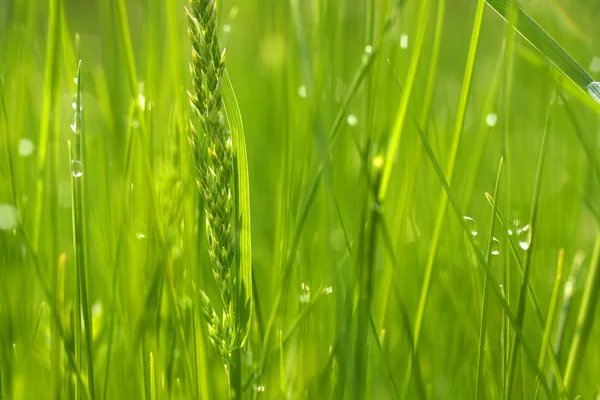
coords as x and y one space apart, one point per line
521 232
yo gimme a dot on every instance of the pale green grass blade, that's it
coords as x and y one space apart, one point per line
484 306
243 310
441 211
51 83
521 304
585 321
550 320
77 163
477 251
9 148
533 298
401 114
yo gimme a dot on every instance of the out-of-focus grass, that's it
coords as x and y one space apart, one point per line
338 269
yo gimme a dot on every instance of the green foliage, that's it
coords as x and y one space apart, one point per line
339 243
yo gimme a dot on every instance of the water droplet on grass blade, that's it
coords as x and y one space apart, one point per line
471 225
368 49
491 119
25 147
404 41
524 237
9 217
76 168
352 120
594 90
226 28
302 91
76 123
495 246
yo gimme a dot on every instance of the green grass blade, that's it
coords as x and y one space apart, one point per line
441 211
585 321
401 114
521 303
483 325
550 320
243 304
76 167
477 251
541 40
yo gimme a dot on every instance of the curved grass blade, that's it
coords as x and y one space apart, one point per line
521 303
550 319
76 168
483 326
541 40
477 251
243 242
443 201
585 320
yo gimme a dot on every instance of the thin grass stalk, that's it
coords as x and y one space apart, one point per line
51 83
585 321
8 144
550 320
509 57
521 302
478 253
309 198
408 187
566 306
484 306
458 128
76 164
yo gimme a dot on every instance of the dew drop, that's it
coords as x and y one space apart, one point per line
594 90
491 119
76 123
9 217
404 41
524 237
25 147
328 290
595 64
76 168
495 246
258 388
135 124
471 225
302 91
226 28
368 49
352 120
305 293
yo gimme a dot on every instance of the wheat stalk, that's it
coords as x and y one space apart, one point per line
213 156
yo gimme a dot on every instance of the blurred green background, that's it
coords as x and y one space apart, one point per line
292 64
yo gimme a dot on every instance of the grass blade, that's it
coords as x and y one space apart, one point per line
541 40
76 167
521 304
483 326
585 320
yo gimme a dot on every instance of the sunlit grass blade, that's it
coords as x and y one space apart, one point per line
585 321
401 113
443 201
477 251
76 161
533 226
550 320
51 83
484 306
